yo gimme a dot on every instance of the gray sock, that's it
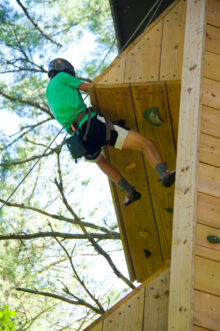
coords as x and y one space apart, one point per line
126 187
161 169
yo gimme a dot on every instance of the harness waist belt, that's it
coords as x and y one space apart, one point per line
88 111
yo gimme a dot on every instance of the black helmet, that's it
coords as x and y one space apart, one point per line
58 65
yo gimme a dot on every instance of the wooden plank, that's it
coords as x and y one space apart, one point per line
208 210
156 304
173 92
211 95
212 39
138 289
207 253
209 180
213 15
128 316
209 150
202 231
99 78
210 122
212 65
116 103
181 282
116 74
198 328
206 310
97 326
207 275
143 60
173 42
145 96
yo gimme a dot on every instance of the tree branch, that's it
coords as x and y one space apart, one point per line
96 246
79 279
57 217
29 236
36 25
28 323
78 302
13 163
29 127
27 102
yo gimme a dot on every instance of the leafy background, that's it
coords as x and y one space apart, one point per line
52 281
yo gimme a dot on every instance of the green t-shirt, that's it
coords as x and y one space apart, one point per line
64 99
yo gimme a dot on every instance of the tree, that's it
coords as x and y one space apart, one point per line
52 239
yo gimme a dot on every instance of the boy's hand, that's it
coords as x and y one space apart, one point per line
84 87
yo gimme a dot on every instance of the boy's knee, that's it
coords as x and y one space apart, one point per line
148 144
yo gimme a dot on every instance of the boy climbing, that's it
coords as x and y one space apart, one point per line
66 103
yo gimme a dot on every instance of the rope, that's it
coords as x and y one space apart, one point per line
158 2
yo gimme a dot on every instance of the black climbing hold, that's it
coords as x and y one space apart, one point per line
213 239
169 210
147 253
151 115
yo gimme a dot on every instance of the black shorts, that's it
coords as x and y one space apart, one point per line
96 137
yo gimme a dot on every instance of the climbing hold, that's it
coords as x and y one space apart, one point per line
213 239
144 234
130 166
151 115
147 253
169 210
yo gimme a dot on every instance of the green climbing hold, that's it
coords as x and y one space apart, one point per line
169 210
213 239
151 115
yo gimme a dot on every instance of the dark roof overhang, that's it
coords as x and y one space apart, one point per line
130 17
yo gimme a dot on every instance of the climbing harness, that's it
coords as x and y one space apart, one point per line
75 142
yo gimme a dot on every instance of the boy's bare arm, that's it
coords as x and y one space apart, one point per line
84 87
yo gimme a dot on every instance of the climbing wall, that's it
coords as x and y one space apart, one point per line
148 236
207 259
145 308
147 74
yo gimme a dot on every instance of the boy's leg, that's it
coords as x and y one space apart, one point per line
114 174
136 141
109 169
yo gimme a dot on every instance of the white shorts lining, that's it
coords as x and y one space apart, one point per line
122 133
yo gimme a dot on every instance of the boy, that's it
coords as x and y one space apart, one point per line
65 101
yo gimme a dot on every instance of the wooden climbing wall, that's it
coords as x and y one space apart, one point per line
156 55
147 74
145 308
146 238
116 103
207 259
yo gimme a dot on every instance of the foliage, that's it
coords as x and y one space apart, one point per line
6 323
46 273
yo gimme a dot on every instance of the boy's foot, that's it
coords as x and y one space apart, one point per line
131 198
169 178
